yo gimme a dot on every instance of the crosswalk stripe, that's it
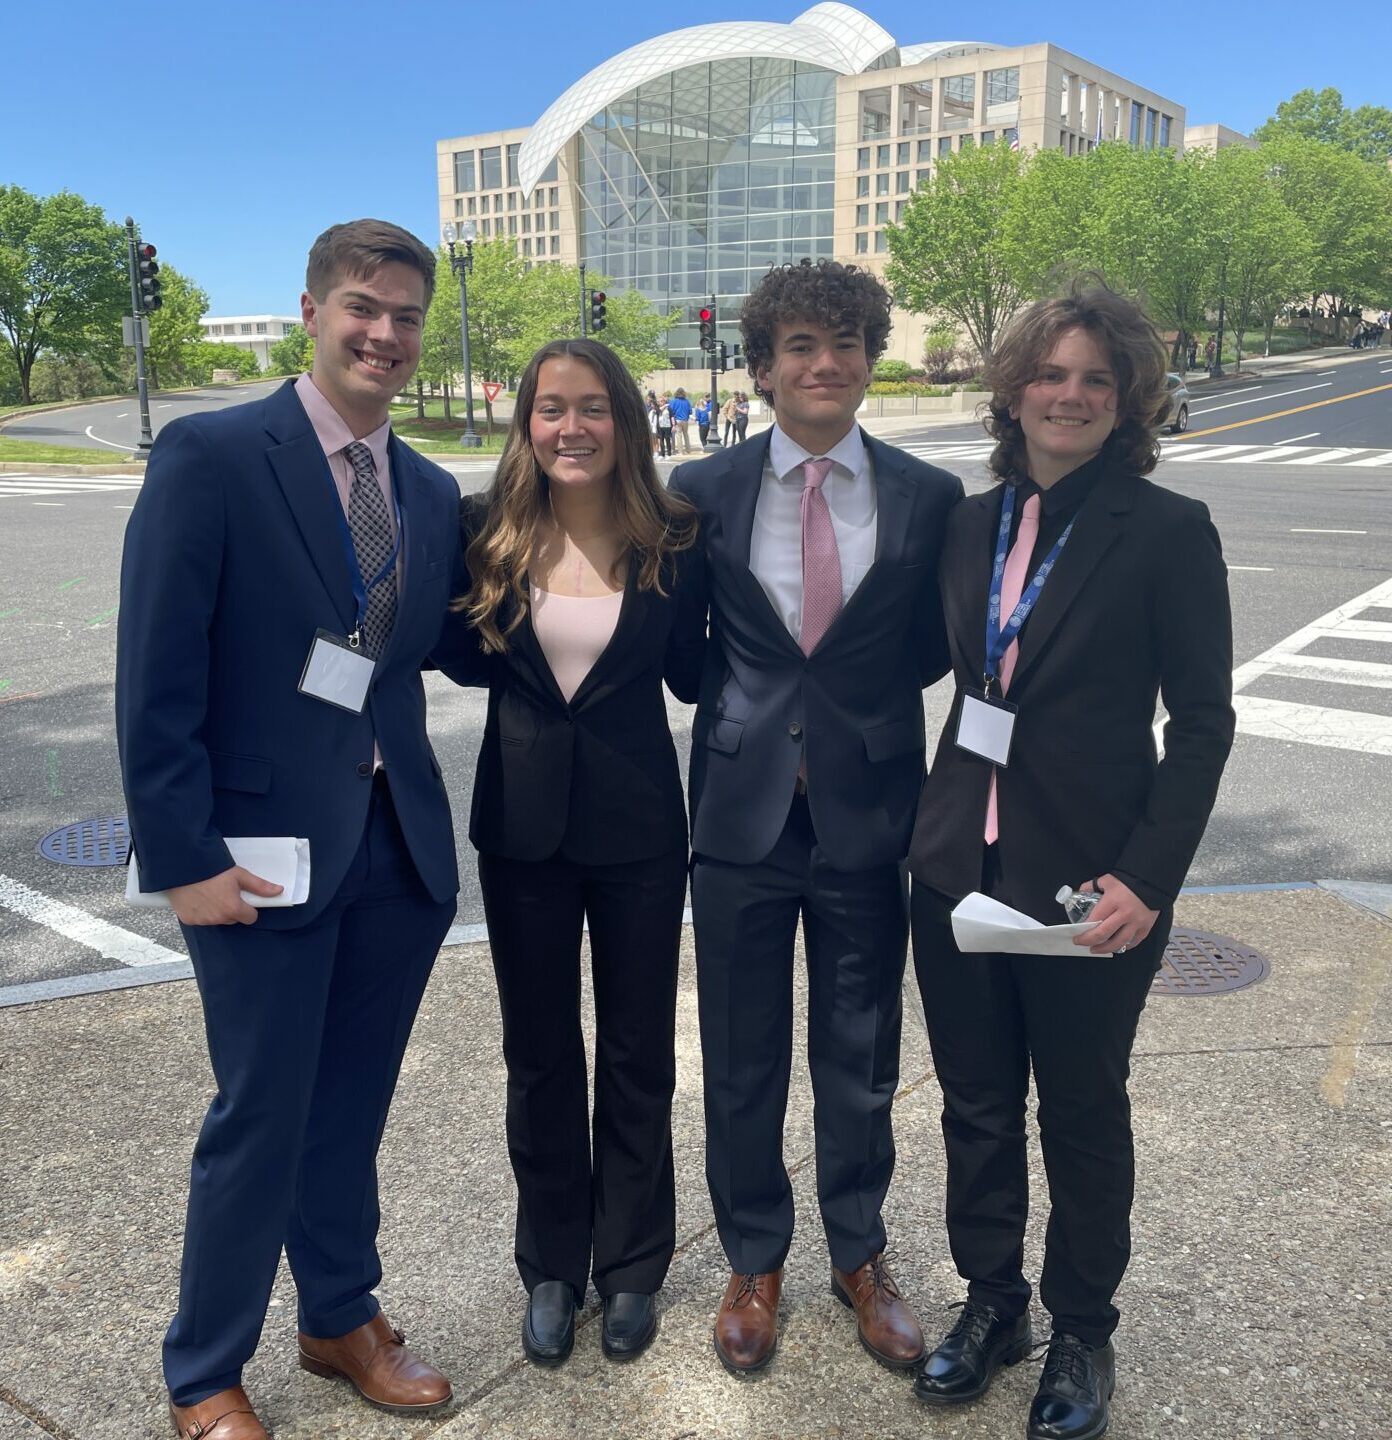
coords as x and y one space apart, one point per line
1378 457
1314 724
1368 673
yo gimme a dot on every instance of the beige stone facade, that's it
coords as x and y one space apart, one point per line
892 121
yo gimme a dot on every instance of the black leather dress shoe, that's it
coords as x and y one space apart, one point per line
548 1327
1074 1390
971 1352
630 1322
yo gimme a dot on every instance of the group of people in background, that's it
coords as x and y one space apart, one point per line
669 420
800 589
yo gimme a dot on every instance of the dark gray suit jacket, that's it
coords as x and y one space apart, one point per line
853 706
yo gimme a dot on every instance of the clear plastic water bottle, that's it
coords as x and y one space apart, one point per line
1078 905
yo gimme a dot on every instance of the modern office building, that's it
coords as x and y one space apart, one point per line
689 164
256 333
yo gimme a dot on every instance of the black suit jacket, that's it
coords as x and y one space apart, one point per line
233 558
1136 605
595 780
854 705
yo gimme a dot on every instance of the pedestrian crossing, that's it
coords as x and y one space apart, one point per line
58 487
1180 452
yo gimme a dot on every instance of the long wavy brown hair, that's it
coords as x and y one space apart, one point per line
1137 358
653 522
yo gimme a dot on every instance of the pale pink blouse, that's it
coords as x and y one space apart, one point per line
572 631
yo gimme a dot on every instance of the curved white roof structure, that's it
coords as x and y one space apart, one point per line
831 35
941 49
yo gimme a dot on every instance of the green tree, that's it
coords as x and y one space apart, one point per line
636 331
205 356
1323 116
950 256
293 354
1345 205
174 329
1269 259
63 285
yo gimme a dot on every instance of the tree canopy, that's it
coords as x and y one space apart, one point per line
63 284
1323 116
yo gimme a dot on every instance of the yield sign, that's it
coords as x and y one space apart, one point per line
492 389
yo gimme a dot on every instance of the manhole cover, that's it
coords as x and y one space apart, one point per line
1196 963
103 841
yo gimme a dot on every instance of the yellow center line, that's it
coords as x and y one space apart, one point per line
1281 414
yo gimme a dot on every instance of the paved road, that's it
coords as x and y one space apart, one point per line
1305 795
115 424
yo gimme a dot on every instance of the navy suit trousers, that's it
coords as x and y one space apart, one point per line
306 1031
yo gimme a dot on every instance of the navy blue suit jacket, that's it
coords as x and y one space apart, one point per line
233 558
854 705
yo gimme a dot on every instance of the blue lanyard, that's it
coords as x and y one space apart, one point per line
362 589
1000 637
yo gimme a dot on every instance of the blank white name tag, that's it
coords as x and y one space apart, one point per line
986 727
337 673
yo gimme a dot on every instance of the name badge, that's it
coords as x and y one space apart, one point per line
986 726
337 673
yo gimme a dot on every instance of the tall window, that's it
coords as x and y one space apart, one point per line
874 114
1137 110
959 101
916 107
512 151
463 169
1164 131
1150 118
491 166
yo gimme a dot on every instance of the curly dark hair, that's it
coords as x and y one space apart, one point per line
1137 358
828 293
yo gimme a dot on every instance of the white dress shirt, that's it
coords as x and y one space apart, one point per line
775 544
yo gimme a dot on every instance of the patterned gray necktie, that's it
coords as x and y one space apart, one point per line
370 525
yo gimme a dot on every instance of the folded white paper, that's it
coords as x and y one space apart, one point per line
982 925
281 859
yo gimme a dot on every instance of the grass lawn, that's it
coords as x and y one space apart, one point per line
436 435
37 453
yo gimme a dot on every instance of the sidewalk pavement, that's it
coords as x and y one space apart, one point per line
1255 1307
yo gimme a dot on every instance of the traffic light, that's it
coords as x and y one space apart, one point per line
723 351
707 316
148 274
597 321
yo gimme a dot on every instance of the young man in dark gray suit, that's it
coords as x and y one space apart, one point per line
807 757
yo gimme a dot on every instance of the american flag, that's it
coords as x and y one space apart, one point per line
1014 140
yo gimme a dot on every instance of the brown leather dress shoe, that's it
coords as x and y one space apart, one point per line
375 1361
225 1416
746 1329
889 1330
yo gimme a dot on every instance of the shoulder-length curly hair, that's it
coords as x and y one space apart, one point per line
652 521
1137 359
829 294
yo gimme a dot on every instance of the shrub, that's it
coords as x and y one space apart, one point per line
940 351
892 370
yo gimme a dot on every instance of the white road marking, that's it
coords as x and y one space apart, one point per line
1356 730
56 504
1334 456
1319 374
1268 569
1299 531
110 941
1296 439
1257 399
1314 724
123 414
1381 457
88 433
23 485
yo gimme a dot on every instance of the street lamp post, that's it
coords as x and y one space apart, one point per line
463 266
1216 369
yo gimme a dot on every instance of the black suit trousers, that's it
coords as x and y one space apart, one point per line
855 933
991 1018
610 1210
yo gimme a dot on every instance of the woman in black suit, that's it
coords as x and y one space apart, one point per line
1124 597
586 592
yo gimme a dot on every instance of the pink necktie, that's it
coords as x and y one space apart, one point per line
821 560
1012 587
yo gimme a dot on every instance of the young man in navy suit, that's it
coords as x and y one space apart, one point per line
286 570
806 761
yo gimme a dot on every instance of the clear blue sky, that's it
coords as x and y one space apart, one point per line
263 121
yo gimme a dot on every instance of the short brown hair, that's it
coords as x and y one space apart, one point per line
828 293
360 248
1138 361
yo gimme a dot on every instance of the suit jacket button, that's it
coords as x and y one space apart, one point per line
795 730
365 769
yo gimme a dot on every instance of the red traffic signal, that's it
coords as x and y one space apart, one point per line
597 321
707 318
147 273
145 252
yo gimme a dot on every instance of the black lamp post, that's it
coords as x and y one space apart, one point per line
463 266
1216 369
